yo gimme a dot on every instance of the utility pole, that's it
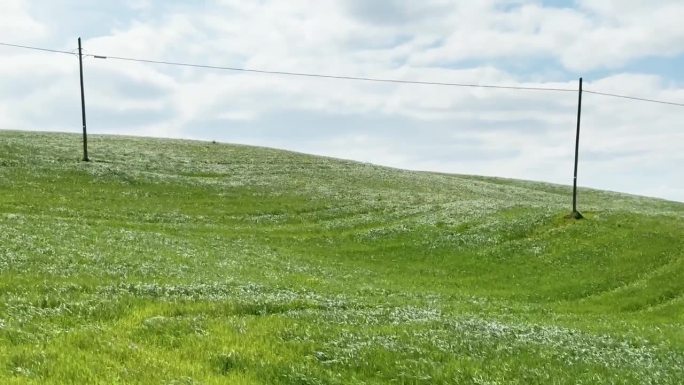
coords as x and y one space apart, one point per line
576 214
83 111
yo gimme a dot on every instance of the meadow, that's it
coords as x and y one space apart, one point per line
188 262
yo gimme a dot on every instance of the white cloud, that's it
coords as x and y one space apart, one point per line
16 23
601 34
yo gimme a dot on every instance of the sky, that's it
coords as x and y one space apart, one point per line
627 47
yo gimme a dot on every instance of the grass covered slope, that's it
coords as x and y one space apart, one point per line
178 262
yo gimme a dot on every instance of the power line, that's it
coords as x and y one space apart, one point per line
339 77
381 80
37 48
636 98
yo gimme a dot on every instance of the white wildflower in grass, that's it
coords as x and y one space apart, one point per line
184 262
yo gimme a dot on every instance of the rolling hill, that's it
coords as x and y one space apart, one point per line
187 262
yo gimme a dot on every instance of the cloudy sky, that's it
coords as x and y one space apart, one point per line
630 47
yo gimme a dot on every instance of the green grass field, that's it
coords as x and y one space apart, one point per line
181 262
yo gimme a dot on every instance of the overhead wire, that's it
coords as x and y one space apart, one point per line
339 77
343 77
37 48
635 98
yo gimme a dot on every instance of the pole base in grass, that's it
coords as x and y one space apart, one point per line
575 215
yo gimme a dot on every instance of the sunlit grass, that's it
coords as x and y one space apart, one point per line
180 262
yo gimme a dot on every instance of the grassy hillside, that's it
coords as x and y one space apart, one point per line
178 262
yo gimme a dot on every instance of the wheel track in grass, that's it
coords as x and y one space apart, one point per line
402 216
662 305
641 280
